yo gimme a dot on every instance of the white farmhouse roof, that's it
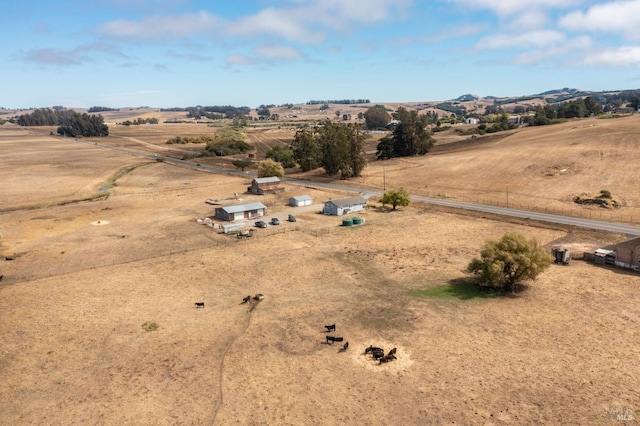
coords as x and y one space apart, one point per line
244 207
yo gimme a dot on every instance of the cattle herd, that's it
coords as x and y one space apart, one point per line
376 352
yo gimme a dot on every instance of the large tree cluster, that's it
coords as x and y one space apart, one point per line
337 147
410 137
70 122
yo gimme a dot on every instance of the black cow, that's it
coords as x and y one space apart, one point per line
331 327
377 354
199 304
345 346
387 358
372 349
246 299
392 351
334 339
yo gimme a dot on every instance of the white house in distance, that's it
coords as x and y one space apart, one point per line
300 200
471 120
240 212
344 206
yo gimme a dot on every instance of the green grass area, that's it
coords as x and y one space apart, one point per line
455 289
150 326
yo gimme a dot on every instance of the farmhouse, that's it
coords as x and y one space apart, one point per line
471 120
344 206
241 211
265 185
300 200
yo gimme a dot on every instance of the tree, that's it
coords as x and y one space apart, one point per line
396 197
411 137
504 264
242 163
268 168
376 117
384 150
283 155
306 150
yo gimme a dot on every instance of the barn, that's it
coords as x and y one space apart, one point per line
261 186
628 254
300 200
344 206
240 212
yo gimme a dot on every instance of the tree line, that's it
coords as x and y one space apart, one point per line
339 101
70 122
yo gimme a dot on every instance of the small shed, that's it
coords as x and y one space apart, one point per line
232 227
240 212
344 206
261 186
300 200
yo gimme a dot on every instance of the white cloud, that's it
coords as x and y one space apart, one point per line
624 56
572 48
239 60
278 52
159 27
510 7
542 38
620 17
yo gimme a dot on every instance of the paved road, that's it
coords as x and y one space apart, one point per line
367 193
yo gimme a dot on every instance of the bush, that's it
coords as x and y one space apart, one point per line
605 194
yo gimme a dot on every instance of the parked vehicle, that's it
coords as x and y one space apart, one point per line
291 218
261 224
275 221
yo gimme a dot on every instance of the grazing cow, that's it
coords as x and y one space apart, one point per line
199 304
334 339
392 351
345 346
331 327
387 358
377 354
372 349
246 299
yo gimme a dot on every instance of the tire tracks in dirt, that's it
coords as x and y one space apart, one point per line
224 356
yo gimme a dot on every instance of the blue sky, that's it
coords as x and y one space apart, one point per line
164 53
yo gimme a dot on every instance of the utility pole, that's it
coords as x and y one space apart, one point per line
507 186
384 178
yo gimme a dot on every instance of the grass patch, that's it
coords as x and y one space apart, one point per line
462 289
150 326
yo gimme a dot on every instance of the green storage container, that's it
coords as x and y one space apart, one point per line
357 221
347 222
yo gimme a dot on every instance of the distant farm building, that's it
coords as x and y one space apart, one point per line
628 254
471 120
625 254
344 206
300 200
240 212
266 185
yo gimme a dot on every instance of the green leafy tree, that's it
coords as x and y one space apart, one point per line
504 264
376 117
335 149
283 155
384 149
396 197
242 163
306 149
228 140
268 168
410 136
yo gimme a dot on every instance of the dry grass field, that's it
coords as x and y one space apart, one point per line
105 246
